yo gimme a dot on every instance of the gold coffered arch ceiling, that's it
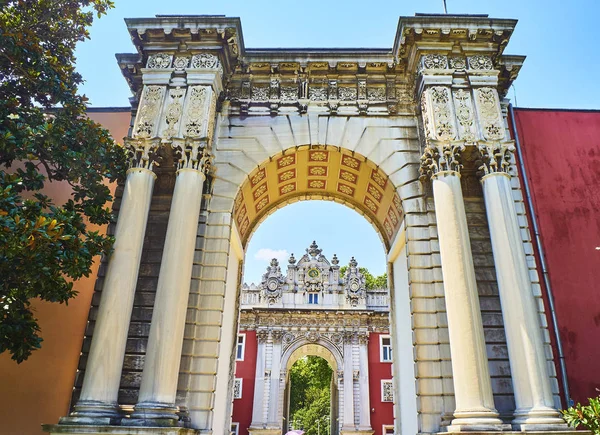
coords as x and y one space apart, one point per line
319 172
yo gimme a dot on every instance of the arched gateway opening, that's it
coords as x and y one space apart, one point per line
314 309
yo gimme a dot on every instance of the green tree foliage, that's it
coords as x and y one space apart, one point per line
371 282
310 395
587 416
45 136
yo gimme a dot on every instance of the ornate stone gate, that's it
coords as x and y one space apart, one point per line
414 138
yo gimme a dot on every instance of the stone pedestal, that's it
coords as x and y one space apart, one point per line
55 429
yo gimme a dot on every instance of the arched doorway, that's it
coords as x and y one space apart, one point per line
301 354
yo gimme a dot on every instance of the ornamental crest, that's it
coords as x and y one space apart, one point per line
355 284
272 282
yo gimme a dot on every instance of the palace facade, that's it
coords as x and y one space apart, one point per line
488 216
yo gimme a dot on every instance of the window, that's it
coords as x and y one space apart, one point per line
387 390
313 298
235 428
385 348
241 347
237 388
388 429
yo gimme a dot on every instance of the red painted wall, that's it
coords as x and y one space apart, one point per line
384 411
246 369
561 152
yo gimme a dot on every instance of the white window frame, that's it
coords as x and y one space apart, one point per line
384 428
241 382
315 296
235 431
243 344
383 382
381 359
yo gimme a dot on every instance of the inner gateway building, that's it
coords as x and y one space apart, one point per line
415 138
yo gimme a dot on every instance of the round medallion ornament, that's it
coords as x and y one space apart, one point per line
314 273
272 285
354 286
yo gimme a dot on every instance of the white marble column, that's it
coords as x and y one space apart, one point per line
97 403
529 366
259 383
348 382
273 419
363 382
475 409
156 402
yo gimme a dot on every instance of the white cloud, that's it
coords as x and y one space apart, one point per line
267 254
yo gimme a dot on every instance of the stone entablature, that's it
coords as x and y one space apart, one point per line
314 282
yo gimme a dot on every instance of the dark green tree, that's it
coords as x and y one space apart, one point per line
371 282
46 137
310 395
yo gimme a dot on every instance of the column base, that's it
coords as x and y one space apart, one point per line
153 414
484 420
358 431
539 419
264 431
55 429
93 412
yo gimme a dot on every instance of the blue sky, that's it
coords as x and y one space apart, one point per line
558 37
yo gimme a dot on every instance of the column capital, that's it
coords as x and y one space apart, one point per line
495 157
143 152
192 153
441 157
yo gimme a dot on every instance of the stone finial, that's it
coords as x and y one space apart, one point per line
335 260
314 250
353 262
292 259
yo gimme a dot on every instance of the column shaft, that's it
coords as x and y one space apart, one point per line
365 404
259 386
529 366
348 403
472 387
156 403
97 403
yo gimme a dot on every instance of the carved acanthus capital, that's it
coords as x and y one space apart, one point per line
363 338
277 335
143 152
495 157
192 154
262 335
440 157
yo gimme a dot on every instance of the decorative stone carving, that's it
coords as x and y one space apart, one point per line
495 157
200 111
205 61
465 115
317 93
181 62
272 282
387 391
490 114
143 153
457 62
437 113
149 111
192 154
173 112
481 62
159 61
362 90
262 335
260 93
274 89
355 284
289 93
435 61
355 375
438 157
347 93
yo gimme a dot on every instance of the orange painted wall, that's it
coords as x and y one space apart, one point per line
39 390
